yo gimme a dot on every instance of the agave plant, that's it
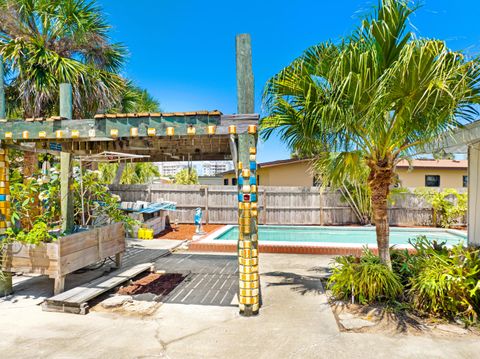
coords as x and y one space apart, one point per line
45 43
379 96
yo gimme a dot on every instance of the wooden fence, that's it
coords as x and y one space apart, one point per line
278 205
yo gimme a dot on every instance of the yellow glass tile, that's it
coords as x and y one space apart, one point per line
232 129
152 132
249 292
25 135
170 131
247 269
246 188
75 133
254 213
252 129
249 300
249 277
253 158
8 135
246 205
114 132
246 172
248 261
191 131
211 129
134 131
59 134
42 134
240 165
253 188
249 285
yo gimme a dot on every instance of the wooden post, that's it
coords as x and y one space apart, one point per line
66 163
249 281
6 286
473 195
246 168
207 215
66 104
245 84
118 175
3 109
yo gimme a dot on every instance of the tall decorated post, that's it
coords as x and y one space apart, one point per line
246 167
5 279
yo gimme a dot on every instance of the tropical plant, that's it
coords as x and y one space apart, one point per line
350 178
94 204
186 176
446 282
448 205
45 43
364 280
26 210
135 99
133 173
375 98
40 233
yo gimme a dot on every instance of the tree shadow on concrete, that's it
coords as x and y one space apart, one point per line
300 283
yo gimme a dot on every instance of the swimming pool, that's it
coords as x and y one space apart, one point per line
340 235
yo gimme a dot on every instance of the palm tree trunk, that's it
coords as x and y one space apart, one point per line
379 181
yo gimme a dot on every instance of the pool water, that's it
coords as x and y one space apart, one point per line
357 235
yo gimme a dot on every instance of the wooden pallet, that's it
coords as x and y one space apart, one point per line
76 299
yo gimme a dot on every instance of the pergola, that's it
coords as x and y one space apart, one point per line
467 140
193 136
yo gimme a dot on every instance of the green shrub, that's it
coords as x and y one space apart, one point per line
446 282
364 280
38 234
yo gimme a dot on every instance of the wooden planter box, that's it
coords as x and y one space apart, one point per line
67 254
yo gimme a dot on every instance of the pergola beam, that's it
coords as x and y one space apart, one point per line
65 130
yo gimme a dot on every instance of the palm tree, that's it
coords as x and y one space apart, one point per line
133 173
135 99
374 98
45 43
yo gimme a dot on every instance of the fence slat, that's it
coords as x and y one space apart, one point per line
278 205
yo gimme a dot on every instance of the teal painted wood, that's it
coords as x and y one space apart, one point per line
245 83
104 126
66 102
3 109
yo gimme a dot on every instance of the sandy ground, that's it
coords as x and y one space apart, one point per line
295 321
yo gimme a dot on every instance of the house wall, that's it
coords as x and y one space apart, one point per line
298 174
292 174
449 178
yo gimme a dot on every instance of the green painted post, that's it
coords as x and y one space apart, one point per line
66 102
246 167
66 163
3 109
245 86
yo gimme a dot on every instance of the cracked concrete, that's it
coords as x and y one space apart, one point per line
295 322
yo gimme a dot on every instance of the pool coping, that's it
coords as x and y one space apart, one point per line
210 244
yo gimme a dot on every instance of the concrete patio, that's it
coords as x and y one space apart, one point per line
199 319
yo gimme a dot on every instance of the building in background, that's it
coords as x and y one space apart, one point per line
203 168
418 173
213 168
170 169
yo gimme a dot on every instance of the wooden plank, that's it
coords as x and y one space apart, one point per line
88 291
77 242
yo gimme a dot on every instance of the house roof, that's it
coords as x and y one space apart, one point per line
275 163
432 163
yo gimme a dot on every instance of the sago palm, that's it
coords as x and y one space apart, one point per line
377 97
47 42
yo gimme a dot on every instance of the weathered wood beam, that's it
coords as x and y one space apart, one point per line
3 109
67 210
65 191
245 83
101 129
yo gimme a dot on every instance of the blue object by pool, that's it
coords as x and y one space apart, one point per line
344 235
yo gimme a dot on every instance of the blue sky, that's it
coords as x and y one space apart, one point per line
182 51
